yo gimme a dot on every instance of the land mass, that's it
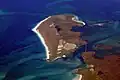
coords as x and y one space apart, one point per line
100 69
57 37
59 40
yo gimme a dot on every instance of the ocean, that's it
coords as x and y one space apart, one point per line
22 55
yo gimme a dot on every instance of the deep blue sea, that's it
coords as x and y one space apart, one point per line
22 55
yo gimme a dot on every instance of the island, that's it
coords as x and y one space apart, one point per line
57 37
